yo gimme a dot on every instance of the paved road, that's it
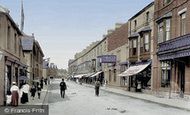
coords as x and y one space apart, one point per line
81 100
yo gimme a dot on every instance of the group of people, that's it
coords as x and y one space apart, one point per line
15 93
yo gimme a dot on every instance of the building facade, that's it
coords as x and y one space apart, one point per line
171 51
12 62
34 57
117 46
140 40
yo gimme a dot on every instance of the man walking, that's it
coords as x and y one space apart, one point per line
63 87
97 87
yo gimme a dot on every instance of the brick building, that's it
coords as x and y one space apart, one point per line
118 46
171 52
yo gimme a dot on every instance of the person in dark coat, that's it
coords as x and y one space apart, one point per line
42 83
25 90
97 87
39 90
33 91
63 87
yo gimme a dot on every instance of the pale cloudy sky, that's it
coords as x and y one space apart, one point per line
64 27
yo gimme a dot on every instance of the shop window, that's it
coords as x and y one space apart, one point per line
166 74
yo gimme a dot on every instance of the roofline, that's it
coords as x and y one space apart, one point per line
12 22
145 8
98 43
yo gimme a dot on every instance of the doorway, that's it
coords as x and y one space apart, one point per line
181 76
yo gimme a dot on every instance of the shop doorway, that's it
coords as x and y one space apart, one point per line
181 76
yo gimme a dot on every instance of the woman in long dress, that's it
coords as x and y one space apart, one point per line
25 90
15 94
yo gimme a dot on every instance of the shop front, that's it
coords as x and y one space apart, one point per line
176 52
138 76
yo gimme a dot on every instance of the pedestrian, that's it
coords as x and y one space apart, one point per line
97 87
25 90
45 81
33 91
63 87
42 83
8 98
39 89
15 94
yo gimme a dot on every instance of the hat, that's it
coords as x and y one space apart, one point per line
14 83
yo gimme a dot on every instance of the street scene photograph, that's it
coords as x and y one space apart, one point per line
94 57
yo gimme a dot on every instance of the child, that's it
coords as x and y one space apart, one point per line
9 98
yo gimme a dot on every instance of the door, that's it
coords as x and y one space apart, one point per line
181 76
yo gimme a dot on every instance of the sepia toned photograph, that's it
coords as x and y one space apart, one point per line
94 57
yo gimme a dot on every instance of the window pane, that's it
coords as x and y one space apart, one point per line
134 44
160 33
183 24
146 39
168 25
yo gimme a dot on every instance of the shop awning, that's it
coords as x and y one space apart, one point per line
88 75
133 70
97 73
80 75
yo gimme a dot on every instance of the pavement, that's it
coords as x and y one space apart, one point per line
42 100
172 102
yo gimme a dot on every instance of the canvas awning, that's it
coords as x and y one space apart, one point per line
80 75
97 73
133 70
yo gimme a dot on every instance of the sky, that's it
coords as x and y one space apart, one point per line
65 27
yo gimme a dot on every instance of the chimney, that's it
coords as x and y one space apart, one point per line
118 25
110 31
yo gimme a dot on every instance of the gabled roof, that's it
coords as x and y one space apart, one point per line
6 12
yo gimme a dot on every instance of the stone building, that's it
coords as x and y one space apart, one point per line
171 47
12 62
34 57
140 40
